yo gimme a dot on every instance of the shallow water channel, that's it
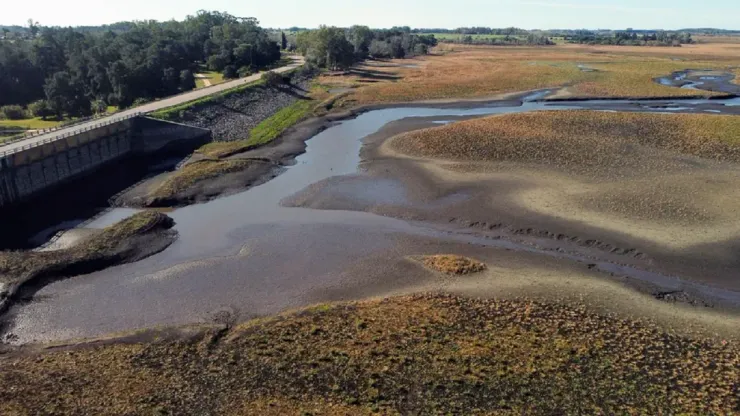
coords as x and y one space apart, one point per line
246 255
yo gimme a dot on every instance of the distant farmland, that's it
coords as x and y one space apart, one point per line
457 37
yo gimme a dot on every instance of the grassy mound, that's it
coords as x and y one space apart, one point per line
427 354
193 173
17 266
578 140
453 264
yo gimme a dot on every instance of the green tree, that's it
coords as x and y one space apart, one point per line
230 72
283 41
326 47
187 80
40 108
59 93
360 38
12 112
99 107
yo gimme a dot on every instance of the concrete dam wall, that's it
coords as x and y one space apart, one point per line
30 171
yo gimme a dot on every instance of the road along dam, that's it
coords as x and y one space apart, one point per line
28 170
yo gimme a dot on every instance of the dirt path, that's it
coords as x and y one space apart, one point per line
203 77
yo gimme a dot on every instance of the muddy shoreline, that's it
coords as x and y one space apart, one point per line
282 151
419 196
225 260
54 265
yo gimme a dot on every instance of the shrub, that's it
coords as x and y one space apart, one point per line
12 112
99 107
140 101
380 49
187 80
272 79
244 71
40 108
230 72
216 63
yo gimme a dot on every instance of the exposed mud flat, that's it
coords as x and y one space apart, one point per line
698 79
245 255
668 212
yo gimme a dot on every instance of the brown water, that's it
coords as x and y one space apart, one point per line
247 255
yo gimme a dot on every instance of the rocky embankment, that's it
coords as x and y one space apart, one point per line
233 117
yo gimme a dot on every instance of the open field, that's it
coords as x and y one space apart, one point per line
36 123
460 71
212 77
717 39
409 355
588 142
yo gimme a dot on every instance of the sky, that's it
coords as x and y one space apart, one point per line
527 14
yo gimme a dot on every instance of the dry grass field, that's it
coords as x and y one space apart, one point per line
425 354
665 178
195 172
589 142
458 71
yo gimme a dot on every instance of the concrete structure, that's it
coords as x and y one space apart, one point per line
46 136
28 171
37 162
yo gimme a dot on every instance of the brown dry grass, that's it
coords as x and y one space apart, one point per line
581 141
195 172
453 264
482 71
425 354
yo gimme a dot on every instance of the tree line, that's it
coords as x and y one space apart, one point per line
80 71
339 48
630 37
531 39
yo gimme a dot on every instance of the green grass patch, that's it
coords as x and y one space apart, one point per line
212 76
265 132
35 123
271 128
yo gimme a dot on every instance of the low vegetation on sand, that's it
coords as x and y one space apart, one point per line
589 142
453 264
426 354
460 71
195 172
115 244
